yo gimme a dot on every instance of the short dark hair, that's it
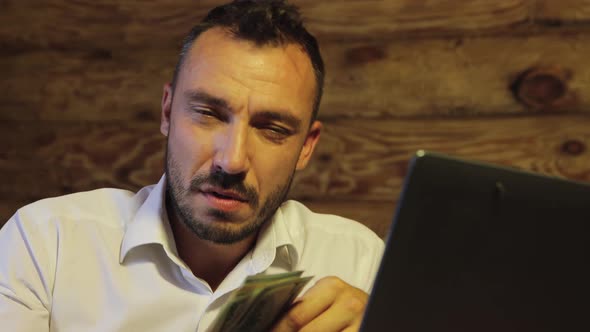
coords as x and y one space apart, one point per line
263 22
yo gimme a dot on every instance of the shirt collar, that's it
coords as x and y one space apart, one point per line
150 225
274 243
150 222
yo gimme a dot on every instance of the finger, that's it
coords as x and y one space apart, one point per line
325 287
302 312
313 303
345 313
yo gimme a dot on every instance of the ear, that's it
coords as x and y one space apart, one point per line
166 109
313 136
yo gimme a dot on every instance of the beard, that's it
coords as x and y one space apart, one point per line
177 198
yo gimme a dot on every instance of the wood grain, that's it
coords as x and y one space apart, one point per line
84 86
363 20
107 24
400 78
562 11
111 24
367 160
53 158
362 160
448 77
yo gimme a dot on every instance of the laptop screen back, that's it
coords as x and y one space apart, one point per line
476 247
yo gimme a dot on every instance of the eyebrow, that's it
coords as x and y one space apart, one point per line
200 96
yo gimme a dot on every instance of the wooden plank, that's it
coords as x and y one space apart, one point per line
84 86
111 24
562 11
108 24
449 77
357 160
400 78
367 160
43 159
366 19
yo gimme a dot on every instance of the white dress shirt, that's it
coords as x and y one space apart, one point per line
106 260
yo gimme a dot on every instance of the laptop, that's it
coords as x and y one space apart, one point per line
478 247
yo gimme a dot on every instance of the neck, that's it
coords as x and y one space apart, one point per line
207 260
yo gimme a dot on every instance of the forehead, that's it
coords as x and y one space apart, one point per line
242 72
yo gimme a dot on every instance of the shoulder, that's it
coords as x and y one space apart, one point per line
301 219
107 207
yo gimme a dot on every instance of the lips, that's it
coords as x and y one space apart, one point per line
224 200
225 194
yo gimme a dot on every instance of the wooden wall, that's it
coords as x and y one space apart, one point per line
80 87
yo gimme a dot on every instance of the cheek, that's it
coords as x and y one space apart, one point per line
188 149
276 166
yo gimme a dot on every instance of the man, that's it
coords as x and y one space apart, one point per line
240 119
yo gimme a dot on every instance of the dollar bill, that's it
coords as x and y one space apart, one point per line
260 301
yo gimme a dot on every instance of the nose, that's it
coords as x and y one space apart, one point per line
232 151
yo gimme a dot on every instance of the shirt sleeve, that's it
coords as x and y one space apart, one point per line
25 276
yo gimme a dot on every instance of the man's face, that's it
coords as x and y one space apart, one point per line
238 126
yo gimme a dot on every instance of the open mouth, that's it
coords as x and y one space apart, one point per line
224 200
226 195
218 195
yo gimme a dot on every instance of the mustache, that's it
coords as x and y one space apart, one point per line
221 179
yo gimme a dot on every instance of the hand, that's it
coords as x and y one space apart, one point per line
330 305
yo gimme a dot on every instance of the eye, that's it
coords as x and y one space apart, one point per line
275 132
204 113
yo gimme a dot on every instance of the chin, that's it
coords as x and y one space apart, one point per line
223 231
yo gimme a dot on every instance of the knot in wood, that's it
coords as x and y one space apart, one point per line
364 54
324 158
542 87
101 54
573 147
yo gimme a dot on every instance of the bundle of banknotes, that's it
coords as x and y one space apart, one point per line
259 302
